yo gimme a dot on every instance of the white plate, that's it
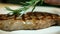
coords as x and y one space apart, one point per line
50 30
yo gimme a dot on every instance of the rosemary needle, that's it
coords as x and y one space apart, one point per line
31 3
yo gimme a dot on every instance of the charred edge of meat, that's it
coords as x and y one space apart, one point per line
29 14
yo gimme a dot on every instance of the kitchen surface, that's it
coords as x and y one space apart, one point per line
5 5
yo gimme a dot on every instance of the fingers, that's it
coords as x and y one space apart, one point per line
52 2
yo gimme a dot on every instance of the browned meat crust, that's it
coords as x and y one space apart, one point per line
30 20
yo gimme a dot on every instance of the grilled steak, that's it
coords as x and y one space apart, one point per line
28 21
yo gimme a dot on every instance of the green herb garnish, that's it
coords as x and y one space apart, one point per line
31 3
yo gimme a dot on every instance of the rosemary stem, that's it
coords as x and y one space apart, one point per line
35 5
33 8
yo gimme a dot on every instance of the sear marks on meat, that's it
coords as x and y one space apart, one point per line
28 21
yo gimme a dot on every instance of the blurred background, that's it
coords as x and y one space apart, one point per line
18 2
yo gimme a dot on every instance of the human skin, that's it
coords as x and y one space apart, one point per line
52 2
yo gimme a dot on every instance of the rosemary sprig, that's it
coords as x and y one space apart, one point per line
31 3
35 4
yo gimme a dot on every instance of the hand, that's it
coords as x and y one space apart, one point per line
52 2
